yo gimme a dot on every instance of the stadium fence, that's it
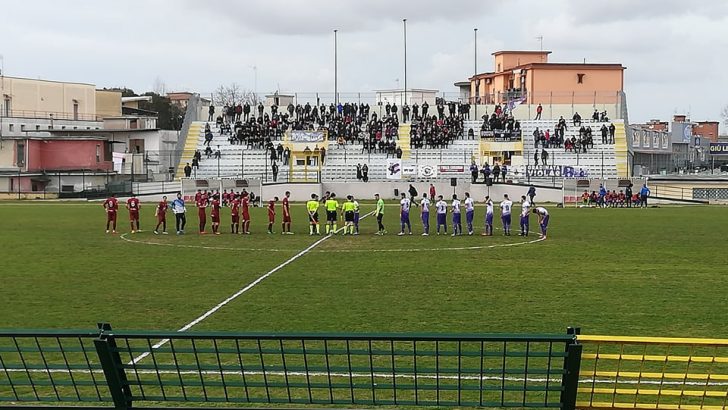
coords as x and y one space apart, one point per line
113 369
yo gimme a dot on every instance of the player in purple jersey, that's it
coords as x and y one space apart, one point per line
441 210
543 219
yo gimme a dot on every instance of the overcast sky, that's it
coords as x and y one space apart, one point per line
674 51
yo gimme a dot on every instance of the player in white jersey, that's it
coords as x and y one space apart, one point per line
457 226
488 217
469 212
404 208
543 219
425 214
505 207
441 210
525 210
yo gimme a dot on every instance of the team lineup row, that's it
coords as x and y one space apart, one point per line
349 211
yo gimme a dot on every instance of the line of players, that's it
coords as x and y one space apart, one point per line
456 207
240 203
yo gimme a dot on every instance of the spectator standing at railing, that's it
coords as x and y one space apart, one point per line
604 132
188 170
539 110
496 172
440 109
504 172
415 111
246 111
365 173
486 172
595 116
544 157
261 109
211 113
473 172
612 129
405 113
425 107
238 111
274 170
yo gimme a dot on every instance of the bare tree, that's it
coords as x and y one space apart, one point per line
234 94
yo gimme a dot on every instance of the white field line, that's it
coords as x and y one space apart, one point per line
238 293
460 248
219 248
403 375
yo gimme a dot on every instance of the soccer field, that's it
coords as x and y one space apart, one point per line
657 272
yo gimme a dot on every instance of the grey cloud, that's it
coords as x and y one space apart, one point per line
316 17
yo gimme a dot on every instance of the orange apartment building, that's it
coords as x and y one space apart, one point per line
528 77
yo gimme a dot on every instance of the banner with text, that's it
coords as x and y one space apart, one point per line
719 148
451 169
307 136
544 171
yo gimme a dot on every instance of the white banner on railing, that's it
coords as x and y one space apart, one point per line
306 136
427 171
394 168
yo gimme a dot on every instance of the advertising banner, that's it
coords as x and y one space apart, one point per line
409 170
451 169
719 148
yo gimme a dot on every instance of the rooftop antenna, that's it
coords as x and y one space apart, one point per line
540 41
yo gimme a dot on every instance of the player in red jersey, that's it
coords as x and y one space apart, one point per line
286 224
133 205
235 215
272 214
161 214
111 205
246 214
215 214
201 204
198 195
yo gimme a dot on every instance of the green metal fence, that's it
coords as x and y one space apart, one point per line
118 369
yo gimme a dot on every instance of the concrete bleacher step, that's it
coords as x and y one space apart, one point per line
191 141
404 140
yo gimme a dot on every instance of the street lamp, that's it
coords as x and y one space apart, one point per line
336 69
404 27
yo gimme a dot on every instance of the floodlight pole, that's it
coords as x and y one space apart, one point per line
404 24
475 74
336 70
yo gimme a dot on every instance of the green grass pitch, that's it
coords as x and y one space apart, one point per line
657 272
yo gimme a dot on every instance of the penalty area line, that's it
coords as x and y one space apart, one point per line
235 295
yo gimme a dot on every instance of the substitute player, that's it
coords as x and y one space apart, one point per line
441 210
379 213
312 207
404 219
348 208
286 224
505 207
234 214
272 214
133 205
525 214
469 212
111 205
215 214
488 217
457 226
161 214
543 219
332 205
245 205
425 215
201 203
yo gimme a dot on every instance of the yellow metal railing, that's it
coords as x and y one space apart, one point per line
653 373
